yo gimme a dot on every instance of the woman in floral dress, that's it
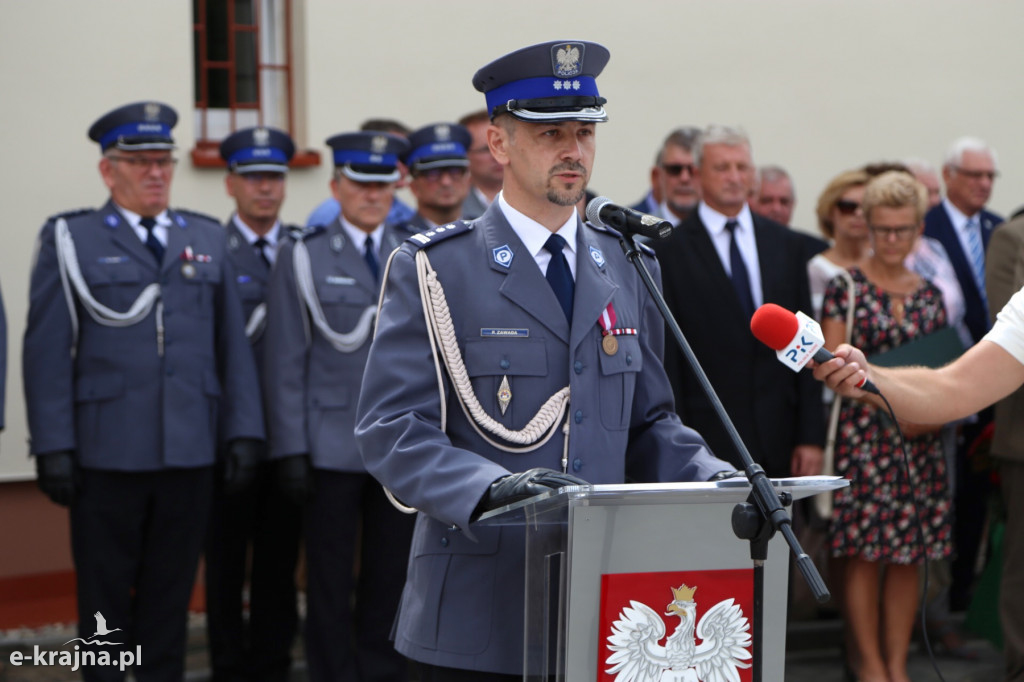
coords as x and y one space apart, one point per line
877 520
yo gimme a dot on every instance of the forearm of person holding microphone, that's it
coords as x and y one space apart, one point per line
992 369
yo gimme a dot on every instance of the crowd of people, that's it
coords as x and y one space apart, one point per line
250 391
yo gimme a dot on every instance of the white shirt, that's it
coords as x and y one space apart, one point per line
163 221
715 222
534 235
358 237
271 237
1008 331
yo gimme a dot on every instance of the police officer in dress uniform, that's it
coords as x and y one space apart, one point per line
320 313
261 520
135 351
527 286
438 163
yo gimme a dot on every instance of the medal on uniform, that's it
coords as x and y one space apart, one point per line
609 344
504 394
188 271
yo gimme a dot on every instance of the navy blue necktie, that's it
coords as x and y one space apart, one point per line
558 275
152 243
740 276
370 256
260 246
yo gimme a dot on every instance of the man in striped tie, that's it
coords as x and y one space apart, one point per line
964 227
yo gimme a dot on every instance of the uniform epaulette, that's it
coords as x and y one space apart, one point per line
424 239
195 214
298 231
641 246
70 214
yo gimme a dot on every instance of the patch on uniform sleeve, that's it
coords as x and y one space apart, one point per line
423 239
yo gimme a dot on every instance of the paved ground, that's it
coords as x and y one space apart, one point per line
814 656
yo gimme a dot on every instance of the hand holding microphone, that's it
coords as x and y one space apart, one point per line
797 340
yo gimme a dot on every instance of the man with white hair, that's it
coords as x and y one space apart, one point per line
963 225
964 228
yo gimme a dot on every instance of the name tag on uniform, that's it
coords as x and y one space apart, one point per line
110 260
337 279
505 333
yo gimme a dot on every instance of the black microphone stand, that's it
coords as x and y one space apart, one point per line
757 521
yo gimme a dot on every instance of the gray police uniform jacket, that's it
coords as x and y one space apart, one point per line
112 398
462 606
311 402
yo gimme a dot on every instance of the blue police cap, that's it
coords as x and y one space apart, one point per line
441 145
546 82
368 156
135 127
258 150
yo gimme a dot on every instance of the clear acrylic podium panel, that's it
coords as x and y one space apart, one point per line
579 534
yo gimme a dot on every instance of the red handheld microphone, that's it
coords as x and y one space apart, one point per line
795 338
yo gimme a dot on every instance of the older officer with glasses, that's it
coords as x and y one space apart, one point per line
134 357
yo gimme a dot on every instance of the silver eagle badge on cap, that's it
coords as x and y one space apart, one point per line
261 137
567 59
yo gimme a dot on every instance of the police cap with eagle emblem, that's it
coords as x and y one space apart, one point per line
135 127
441 145
257 150
368 156
548 82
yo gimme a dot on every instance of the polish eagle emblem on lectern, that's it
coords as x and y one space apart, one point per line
638 656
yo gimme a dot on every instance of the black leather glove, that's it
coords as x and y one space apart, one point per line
295 474
57 476
515 487
240 462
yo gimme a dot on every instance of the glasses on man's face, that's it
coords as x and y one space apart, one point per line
144 163
977 174
847 207
435 174
886 233
678 168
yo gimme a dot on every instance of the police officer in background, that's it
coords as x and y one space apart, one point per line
320 313
128 369
544 308
255 532
439 167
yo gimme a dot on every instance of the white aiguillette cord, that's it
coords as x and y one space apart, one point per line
71 276
441 333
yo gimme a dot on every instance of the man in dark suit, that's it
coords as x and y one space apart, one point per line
320 315
438 165
254 533
544 310
721 264
129 370
963 227
675 189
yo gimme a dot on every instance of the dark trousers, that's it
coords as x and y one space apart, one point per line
970 505
433 673
1011 590
136 539
253 534
357 549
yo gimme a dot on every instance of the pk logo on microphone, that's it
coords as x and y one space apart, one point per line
807 341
